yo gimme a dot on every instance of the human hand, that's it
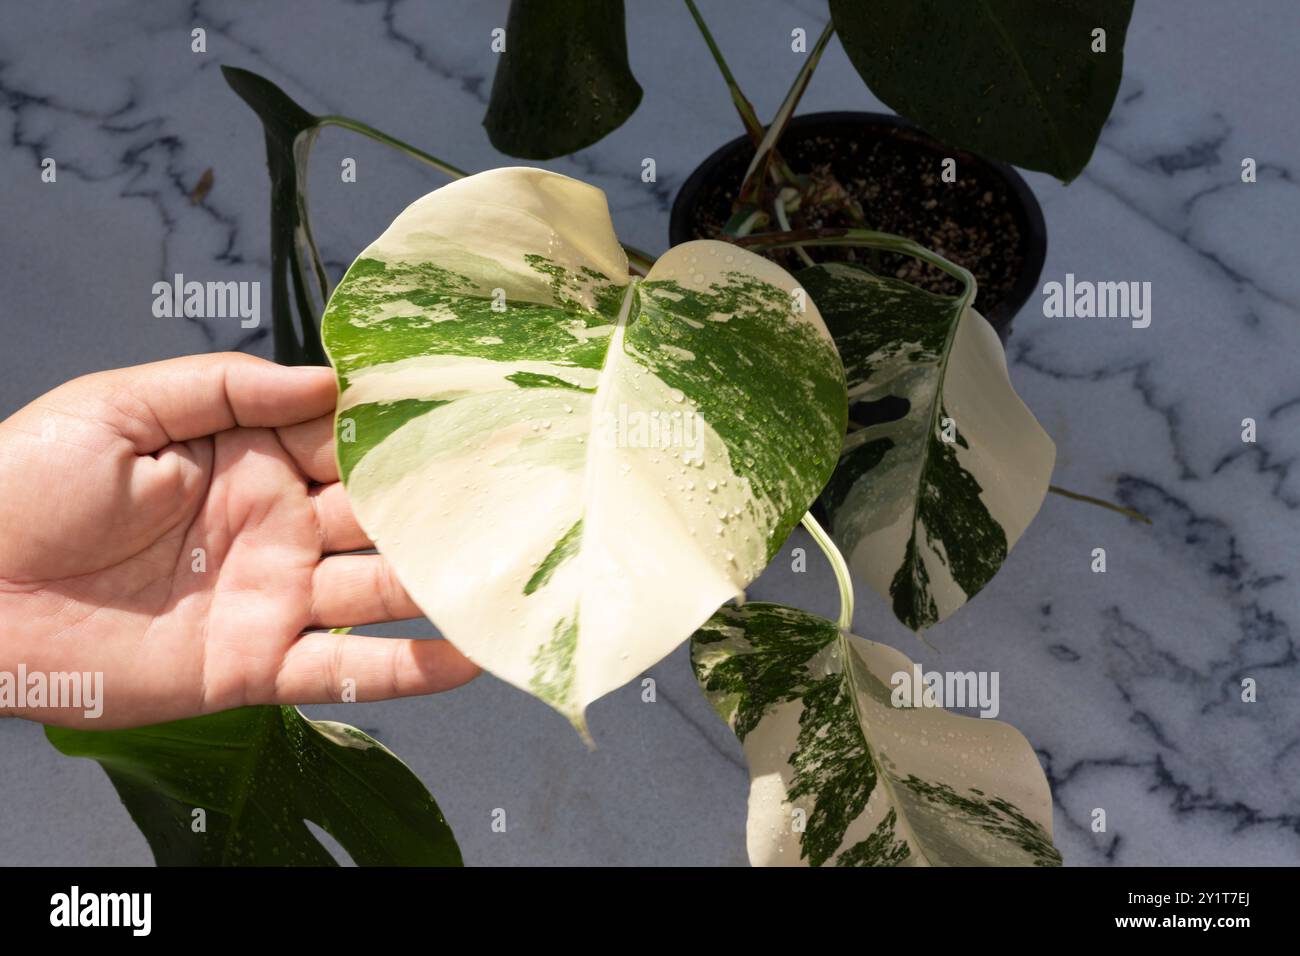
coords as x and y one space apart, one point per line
177 527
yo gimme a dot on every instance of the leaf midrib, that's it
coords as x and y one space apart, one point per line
602 392
846 650
963 304
270 716
1057 143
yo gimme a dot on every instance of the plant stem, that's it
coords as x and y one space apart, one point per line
304 243
778 206
366 130
743 221
1100 503
745 108
838 564
748 118
856 237
758 166
642 261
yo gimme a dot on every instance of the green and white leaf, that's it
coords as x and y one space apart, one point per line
257 773
504 461
841 776
927 522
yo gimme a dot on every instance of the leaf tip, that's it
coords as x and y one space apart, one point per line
579 722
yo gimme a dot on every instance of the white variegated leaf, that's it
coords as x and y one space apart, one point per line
571 469
927 521
841 776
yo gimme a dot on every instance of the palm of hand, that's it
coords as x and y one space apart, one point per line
188 575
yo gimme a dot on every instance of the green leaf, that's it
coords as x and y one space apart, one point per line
569 486
1013 79
258 773
927 521
563 81
842 774
290 131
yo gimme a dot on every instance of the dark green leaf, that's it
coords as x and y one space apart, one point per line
290 131
563 81
1013 79
258 773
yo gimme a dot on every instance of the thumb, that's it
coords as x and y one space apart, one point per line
184 398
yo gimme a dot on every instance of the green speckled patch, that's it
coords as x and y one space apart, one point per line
564 549
384 312
534 380
814 710
738 334
552 679
927 522
882 848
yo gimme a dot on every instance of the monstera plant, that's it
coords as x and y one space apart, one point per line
491 347
577 457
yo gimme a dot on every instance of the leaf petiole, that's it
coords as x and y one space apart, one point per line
1099 502
366 129
765 151
748 118
838 565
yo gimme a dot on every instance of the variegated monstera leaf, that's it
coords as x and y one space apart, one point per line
568 468
926 506
843 777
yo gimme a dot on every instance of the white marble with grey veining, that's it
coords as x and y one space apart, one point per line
1127 682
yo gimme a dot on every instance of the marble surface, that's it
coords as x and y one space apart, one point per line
1127 682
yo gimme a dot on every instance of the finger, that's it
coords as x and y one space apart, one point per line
185 398
320 668
171 484
351 589
311 446
339 530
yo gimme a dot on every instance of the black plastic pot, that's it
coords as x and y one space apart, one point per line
882 134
